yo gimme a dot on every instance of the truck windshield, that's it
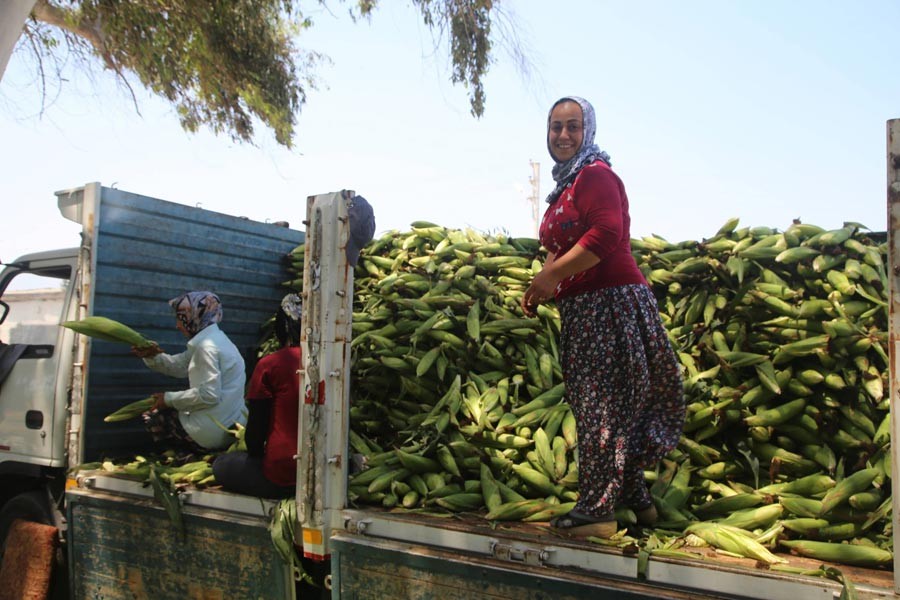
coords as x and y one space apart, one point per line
35 302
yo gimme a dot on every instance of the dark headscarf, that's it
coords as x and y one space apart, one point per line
564 173
204 309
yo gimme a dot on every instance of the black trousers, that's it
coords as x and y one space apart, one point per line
240 473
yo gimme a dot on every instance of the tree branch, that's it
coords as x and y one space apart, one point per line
53 15
40 64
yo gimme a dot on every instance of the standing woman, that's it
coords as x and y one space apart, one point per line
623 382
192 420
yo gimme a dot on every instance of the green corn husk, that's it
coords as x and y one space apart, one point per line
109 330
282 532
168 497
130 411
733 539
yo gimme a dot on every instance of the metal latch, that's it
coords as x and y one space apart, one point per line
357 525
522 554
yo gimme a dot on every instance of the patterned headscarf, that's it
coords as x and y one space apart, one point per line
203 309
287 320
564 173
292 306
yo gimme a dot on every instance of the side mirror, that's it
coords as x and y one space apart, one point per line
4 310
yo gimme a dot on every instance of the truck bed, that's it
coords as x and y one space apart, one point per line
381 553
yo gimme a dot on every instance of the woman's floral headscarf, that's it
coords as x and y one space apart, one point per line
287 320
200 310
564 173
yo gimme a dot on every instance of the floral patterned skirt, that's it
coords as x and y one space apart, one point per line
165 428
624 385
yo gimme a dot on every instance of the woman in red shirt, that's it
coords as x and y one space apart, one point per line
268 469
623 382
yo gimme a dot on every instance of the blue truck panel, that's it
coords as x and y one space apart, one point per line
148 251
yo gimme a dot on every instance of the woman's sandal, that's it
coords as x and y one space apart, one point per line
576 523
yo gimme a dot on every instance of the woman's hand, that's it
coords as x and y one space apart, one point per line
159 401
147 351
544 284
542 288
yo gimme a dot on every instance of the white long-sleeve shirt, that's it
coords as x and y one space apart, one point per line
216 375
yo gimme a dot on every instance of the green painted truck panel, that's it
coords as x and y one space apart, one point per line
365 568
124 547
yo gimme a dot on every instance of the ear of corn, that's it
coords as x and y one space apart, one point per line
109 330
809 485
754 518
848 554
847 487
130 411
733 539
416 463
801 507
516 510
551 512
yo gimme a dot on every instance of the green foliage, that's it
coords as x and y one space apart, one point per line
470 44
468 24
220 63
224 64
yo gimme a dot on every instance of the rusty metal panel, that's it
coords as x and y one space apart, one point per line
893 211
364 568
521 545
126 548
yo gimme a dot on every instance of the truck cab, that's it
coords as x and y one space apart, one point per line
37 294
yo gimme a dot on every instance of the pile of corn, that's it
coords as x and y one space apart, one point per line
457 400
166 467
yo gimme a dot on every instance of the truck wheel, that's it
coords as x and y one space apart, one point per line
32 506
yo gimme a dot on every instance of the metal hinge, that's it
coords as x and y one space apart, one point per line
520 554
357 525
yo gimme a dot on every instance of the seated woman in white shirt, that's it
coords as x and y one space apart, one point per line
193 419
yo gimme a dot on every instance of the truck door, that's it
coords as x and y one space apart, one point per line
32 399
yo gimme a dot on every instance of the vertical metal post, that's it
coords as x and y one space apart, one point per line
893 206
84 205
325 343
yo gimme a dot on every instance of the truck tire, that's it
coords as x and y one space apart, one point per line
33 506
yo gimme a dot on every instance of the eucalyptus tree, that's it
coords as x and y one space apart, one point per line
227 64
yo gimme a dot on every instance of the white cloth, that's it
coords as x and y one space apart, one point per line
216 375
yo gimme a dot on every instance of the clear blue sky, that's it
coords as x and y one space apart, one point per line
711 109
